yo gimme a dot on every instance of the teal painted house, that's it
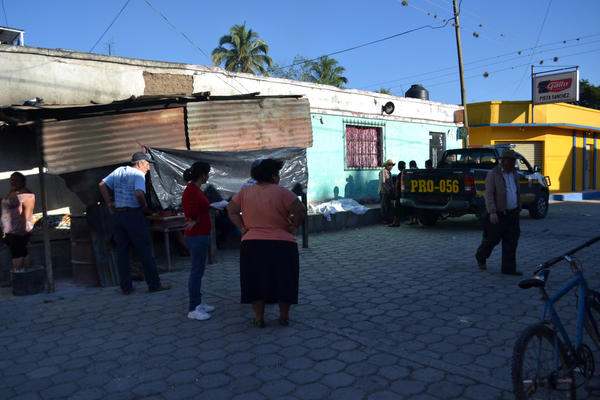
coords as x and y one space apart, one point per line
353 137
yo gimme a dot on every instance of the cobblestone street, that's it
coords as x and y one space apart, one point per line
384 313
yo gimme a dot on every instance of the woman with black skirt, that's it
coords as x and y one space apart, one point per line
268 216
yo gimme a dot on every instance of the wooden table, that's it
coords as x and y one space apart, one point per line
175 223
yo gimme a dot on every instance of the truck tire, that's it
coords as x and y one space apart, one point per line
428 219
539 209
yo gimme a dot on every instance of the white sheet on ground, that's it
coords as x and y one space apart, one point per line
334 206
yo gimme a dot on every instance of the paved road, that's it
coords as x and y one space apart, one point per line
385 313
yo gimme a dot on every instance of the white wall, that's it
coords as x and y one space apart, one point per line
68 77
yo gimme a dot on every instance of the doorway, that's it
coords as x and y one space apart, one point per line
437 145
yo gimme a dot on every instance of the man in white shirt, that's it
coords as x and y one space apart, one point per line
128 185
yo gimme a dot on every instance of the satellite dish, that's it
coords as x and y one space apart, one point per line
388 108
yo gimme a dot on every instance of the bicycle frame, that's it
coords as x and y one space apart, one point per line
577 281
572 359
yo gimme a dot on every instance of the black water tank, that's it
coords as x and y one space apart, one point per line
417 92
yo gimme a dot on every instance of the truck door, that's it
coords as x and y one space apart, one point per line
527 183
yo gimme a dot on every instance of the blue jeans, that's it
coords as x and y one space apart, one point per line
198 247
131 228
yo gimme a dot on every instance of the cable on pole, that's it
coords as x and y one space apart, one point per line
109 26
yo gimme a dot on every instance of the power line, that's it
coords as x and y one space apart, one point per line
174 27
111 24
512 53
507 68
492 72
196 46
536 43
363 45
5 15
465 26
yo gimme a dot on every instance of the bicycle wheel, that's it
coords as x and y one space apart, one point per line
536 374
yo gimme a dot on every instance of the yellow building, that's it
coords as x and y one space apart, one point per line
560 138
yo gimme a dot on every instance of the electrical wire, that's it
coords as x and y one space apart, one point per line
512 53
363 45
508 68
197 47
176 29
464 26
5 15
111 24
536 43
480 17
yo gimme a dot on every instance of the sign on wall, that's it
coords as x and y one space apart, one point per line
556 88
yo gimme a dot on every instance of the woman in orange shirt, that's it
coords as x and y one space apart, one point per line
268 216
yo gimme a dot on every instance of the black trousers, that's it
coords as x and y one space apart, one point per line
506 230
386 206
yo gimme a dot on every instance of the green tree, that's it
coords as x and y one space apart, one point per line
589 95
242 51
298 70
326 71
385 91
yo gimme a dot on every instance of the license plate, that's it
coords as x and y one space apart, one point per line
430 186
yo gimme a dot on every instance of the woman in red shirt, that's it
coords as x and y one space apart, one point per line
196 235
268 216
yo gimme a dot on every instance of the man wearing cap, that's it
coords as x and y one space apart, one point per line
503 205
128 184
386 191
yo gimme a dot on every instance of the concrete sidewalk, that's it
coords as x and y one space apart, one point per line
384 313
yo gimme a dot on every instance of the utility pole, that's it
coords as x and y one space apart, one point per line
462 76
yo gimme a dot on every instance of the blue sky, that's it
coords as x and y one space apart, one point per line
493 33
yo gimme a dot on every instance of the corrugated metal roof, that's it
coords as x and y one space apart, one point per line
251 124
79 144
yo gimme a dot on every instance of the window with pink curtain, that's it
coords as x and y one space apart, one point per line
363 147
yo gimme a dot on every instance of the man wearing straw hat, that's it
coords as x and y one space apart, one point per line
503 205
386 191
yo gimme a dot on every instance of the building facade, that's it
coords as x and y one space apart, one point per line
352 131
560 138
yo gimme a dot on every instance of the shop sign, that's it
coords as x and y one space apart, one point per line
556 88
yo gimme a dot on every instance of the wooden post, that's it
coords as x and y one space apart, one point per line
39 129
462 76
305 222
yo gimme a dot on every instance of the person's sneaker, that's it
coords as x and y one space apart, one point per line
198 315
165 286
205 308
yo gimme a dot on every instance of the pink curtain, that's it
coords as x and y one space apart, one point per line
363 147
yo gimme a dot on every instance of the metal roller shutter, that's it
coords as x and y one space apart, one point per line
532 151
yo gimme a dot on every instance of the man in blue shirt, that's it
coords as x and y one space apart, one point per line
128 185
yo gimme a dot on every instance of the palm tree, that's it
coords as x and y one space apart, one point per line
385 91
327 72
242 51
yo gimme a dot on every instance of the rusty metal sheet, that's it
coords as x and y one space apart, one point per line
251 124
79 144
